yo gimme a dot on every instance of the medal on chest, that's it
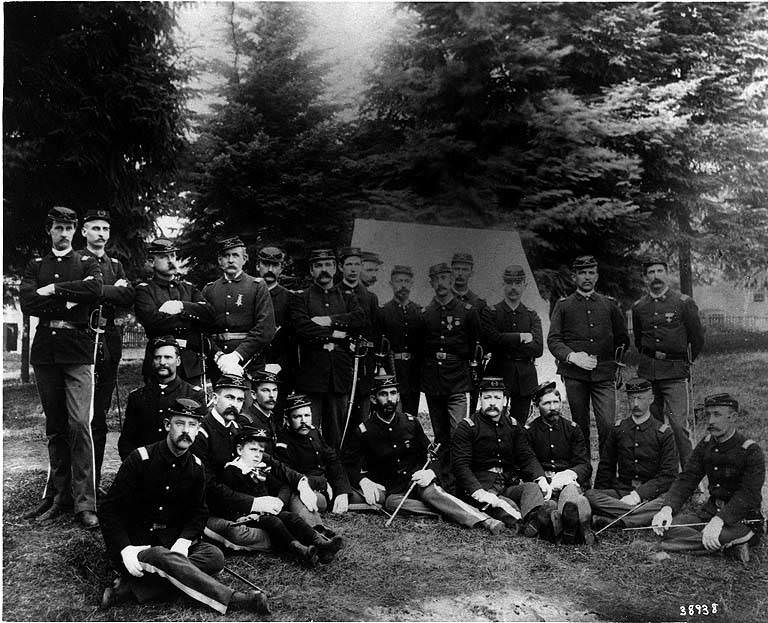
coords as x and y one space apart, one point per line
239 300
669 316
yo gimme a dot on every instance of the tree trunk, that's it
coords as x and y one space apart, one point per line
684 251
25 349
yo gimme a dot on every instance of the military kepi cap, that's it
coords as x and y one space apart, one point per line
161 246
271 254
462 257
230 242
721 400
401 269
346 252
187 407
652 260
62 215
231 380
297 401
249 433
542 390
513 273
97 215
383 381
439 269
584 261
321 254
163 340
370 256
492 382
637 386
262 376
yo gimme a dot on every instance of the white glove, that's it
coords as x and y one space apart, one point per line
323 321
710 535
662 520
230 364
633 499
583 360
526 338
121 283
130 556
181 546
423 477
48 290
370 490
546 488
307 495
562 479
171 307
341 504
485 497
267 504
338 335
273 368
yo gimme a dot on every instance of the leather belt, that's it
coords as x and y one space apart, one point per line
226 336
60 324
447 357
157 526
401 356
657 354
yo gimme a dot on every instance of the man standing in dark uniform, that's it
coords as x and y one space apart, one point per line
323 317
735 469
463 267
513 333
244 322
369 274
59 289
153 518
669 336
638 465
166 305
586 330
450 331
117 293
560 448
388 453
492 459
147 406
350 284
400 322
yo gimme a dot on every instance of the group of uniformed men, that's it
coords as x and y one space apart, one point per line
348 436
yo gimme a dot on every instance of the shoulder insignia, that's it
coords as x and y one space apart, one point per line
203 432
609 297
469 421
617 424
38 259
197 388
209 284
527 427
573 424
280 444
410 417
467 305
143 453
85 258
197 460
257 280
708 438
664 428
685 297
563 298
114 261
142 283
513 420
362 427
637 302
748 443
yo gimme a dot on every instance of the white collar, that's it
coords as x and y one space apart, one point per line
217 416
58 253
660 294
586 295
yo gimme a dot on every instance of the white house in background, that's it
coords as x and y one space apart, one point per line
741 304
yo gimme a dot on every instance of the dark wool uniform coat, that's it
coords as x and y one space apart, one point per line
560 446
311 456
279 349
402 326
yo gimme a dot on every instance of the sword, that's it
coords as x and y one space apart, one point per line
690 404
360 348
618 377
384 351
689 525
431 454
205 379
244 580
629 512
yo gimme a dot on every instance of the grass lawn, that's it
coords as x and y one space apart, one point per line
417 569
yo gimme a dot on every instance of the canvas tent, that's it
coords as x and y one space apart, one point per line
420 246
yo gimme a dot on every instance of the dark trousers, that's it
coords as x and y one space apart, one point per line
66 394
520 408
329 414
410 402
607 502
164 570
284 528
446 412
105 376
602 396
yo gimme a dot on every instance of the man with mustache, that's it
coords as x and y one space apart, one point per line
147 406
669 336
492 459
399 321
216 446
167 305
301 446
369 273
323 318
351 285
638 464
450 331
559 445
463 267
735 469
153 518
244 321
59 288
585 332
513 333
117 294
261 413
387 454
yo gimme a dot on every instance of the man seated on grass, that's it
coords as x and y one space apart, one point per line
388 453
735 468
638 463
491 458
559 445
152 520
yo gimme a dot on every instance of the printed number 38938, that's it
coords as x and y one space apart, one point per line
698 609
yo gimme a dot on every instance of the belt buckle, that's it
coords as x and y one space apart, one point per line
329 346
660 355
441 355
181 342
